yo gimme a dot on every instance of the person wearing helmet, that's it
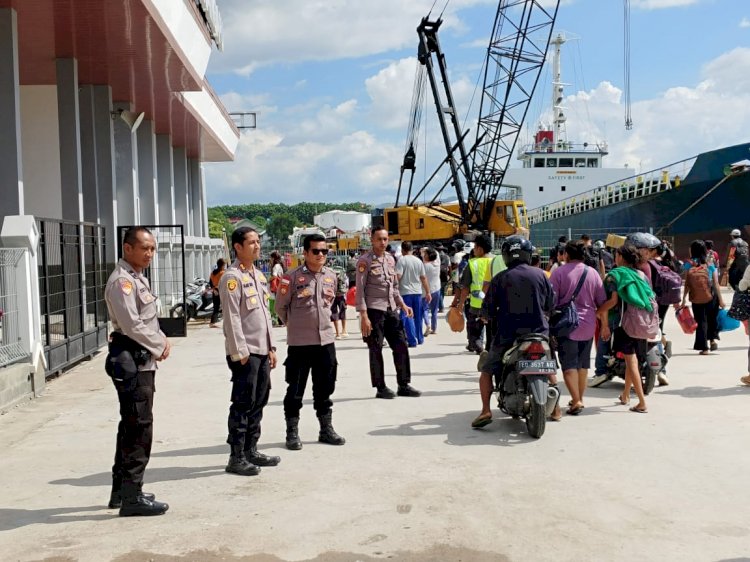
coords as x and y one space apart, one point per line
648 246
737 258
519 299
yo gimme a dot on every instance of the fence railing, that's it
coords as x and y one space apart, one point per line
12 348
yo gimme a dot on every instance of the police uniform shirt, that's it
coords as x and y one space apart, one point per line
303 303
247 321
133 311
377 285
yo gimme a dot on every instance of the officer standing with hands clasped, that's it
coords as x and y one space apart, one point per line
378 302
250 352
136 344
303 303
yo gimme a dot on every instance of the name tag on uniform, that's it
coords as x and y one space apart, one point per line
376 270
246 278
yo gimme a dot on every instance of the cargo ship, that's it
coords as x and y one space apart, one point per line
567 188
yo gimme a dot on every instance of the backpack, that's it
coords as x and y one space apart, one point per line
445 268
564 319
591 258
639 323
698 285
667 283
342 284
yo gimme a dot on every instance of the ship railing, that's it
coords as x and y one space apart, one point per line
634 187
542 148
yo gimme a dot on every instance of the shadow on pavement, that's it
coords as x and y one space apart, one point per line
708 392
152 475
503 431
16 518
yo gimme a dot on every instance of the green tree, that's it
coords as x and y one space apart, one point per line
280 226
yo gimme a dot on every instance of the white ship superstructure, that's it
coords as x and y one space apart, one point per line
553 167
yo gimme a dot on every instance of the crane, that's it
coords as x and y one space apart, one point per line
513 62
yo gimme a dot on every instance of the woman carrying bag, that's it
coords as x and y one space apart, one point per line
744 287
702 286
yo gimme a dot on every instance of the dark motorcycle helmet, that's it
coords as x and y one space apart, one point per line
516 249
643 240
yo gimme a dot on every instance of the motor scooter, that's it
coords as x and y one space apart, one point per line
522 386
198 301
649 366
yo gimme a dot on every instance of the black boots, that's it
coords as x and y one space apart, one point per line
142 506
115 499
385 392
408 390
327 433
292 434
238 464
257 458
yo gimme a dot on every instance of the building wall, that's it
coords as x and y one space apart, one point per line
40 144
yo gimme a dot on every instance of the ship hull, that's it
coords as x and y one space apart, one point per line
725 208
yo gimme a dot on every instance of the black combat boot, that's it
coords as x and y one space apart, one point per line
385 392
292 434
408 390
327 433
115 501
259 459
238 464
134 503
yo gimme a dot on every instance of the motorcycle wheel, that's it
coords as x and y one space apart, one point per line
649 381
536 419
178 311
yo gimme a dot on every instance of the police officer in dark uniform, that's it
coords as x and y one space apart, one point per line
303 303
136 344
250 352
378 302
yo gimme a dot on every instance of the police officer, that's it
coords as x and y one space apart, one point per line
136 344
303 303
378 302
250 352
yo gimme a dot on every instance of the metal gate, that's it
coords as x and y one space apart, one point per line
72 278
166 273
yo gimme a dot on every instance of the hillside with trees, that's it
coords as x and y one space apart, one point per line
278 219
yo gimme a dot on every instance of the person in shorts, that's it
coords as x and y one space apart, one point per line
338 315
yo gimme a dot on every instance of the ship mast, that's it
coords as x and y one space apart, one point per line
557 94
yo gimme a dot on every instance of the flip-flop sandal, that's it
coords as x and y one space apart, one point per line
621 401
637 410
574 411
479 421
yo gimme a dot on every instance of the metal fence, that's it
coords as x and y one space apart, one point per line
544 239
72 278
12 348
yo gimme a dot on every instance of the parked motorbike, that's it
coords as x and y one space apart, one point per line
523 389
198 301
649 367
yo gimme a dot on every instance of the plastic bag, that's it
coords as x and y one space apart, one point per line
725 322
686 320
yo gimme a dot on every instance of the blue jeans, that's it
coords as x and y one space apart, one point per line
413 325
431 311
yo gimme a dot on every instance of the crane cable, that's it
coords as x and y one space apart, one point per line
626 37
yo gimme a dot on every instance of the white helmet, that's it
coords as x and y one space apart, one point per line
736 233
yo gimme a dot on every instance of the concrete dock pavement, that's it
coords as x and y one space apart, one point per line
413 482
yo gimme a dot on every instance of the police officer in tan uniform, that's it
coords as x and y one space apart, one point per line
136 344
378 302
303 303
250 352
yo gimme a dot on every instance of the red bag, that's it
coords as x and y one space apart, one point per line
686 320
351 296
275 282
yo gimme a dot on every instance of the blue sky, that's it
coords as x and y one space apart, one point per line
332 81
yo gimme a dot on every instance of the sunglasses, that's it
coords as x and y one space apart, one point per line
318 251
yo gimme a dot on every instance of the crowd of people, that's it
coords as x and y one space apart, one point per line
583 301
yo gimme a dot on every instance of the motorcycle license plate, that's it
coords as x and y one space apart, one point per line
539 367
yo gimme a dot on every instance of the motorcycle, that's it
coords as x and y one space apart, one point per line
198 301
523 389
649 367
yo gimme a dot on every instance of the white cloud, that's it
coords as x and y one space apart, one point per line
659 4
267 31
745 22
678 124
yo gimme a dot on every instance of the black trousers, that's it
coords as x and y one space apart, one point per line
251 386
705 316
134 433
300 360
663 308
387 325
216 310
474 329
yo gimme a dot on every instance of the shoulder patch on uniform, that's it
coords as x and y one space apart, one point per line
285 280
362 266
284 290
126 286
232 284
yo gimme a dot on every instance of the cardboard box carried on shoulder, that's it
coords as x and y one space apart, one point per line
615 240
